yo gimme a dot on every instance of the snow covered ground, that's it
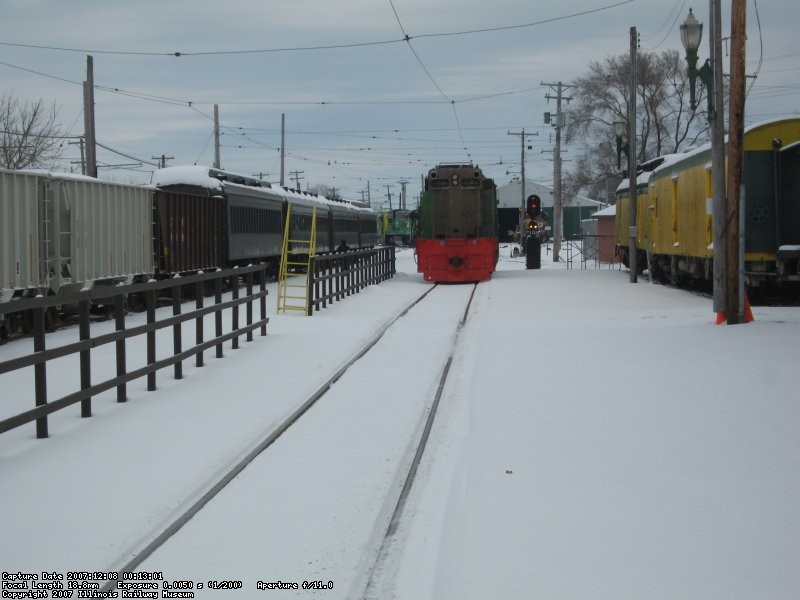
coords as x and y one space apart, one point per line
597 439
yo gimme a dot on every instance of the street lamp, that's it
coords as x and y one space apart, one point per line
691 35
619 132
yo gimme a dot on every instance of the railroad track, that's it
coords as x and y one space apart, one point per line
371 590
387 518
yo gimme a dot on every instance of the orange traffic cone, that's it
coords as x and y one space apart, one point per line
748 313
722 316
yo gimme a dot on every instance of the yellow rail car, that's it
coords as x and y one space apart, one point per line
674 210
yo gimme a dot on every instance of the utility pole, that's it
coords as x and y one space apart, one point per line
162 160
402 202
632 175
83 158
88 119
389 194
297 178
735 305
716 118
522 136
216 137
557 200
260 175
369 196
283 144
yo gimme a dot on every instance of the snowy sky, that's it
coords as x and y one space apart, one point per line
382 110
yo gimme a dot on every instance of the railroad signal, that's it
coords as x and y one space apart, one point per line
534 206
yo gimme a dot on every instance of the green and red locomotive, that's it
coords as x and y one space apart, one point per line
457 239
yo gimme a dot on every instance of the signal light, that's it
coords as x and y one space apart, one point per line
534 206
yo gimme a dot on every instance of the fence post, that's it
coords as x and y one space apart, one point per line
263 286
235 311
84 333
176 331
40 370
119 321
349 261
249 280
310 283
198 326
326 281
218 313
150 306
318 285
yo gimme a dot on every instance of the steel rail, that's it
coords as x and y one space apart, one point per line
138 556
370 593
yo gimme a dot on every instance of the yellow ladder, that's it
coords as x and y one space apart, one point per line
289 293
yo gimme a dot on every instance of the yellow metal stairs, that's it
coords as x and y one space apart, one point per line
295 269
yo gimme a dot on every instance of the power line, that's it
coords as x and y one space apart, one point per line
113 151
288 102
428 73
406 38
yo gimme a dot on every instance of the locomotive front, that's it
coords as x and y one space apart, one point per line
457 239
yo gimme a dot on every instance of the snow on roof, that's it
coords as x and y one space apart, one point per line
189 174
204 177
64 176
609 211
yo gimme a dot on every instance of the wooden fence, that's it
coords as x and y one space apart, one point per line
336 276
333 277
232 279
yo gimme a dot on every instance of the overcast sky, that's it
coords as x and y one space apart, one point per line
361 103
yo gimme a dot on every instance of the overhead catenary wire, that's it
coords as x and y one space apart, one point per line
405 38
428 73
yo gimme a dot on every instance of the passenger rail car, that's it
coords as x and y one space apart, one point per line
674 210
457 238
251 215
61 232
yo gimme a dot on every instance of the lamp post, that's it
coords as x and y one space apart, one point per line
711 76
691 36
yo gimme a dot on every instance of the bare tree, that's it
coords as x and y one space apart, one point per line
664 121
30 135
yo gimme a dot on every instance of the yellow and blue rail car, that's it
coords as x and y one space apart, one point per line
674 210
